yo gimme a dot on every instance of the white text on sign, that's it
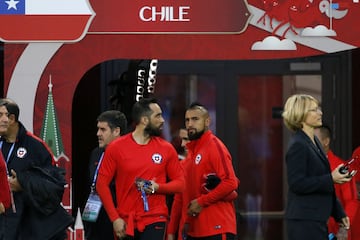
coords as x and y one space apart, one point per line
164 14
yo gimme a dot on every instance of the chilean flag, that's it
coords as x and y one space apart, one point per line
44 20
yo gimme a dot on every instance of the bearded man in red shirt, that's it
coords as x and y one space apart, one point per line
210 179
140 163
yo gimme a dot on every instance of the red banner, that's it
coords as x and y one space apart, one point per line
164 16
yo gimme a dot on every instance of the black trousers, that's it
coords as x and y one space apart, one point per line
305 229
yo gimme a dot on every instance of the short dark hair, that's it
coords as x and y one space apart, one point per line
199 106
115 119
142 108
11 106
325 131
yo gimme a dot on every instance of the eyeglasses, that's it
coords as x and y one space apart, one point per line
317 109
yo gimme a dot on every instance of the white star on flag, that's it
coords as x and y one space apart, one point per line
12 4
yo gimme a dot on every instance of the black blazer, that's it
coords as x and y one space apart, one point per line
311 193
102 228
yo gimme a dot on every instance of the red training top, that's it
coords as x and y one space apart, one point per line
125 160
208 155
347 195
355 224
178 213
5 198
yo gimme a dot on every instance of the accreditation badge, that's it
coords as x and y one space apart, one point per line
92 207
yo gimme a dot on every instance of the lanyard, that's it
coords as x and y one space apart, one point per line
10 151
97 170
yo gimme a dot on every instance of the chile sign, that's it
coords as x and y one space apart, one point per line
246 29
174 16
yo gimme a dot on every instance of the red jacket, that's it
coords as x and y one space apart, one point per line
208 155
347 195
178 213
178 209
355 224
4 189
356 164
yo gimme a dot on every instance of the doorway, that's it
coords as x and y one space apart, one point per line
245 100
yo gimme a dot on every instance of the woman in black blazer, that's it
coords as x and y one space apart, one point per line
311 194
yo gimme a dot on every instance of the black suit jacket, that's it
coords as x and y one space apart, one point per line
102 228
311 193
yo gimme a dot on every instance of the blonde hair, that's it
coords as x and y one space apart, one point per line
295 110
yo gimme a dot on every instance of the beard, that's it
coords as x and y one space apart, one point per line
195 135
152 130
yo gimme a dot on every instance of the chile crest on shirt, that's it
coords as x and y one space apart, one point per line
157 158
198 159
21 152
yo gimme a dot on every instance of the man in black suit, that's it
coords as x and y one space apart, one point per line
110 124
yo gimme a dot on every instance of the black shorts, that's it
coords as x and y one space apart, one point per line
224 236
154 231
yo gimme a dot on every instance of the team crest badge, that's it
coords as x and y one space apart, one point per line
157 158
198 158
21 152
